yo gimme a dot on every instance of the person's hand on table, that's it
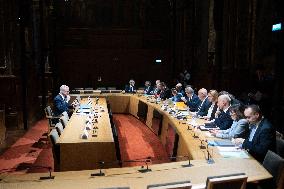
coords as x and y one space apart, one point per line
238 141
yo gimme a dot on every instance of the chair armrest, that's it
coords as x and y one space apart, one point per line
53 117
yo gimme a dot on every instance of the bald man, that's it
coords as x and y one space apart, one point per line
224 120
204 102
61 101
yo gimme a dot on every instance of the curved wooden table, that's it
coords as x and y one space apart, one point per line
161 173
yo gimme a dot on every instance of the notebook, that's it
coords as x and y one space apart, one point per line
224 143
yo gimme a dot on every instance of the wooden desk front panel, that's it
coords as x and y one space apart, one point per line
79 154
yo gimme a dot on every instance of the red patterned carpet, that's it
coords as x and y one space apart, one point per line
30 153
137 141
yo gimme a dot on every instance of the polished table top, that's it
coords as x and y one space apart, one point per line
74 129
161 173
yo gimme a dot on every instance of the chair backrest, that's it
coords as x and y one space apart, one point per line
88 91
111 88
48 111
101 88
74 92
65 114
53 135
59 128
280 147
180 184
64 121
232 181
77 89
274 164
89 88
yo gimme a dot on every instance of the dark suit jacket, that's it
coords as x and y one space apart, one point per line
213 112
148 90
224 120
263 140
128 89
204 108
167 93
60 105
193 103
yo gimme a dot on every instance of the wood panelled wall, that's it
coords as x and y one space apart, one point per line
113 40
46 43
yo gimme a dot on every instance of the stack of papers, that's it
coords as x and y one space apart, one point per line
237 154
232 152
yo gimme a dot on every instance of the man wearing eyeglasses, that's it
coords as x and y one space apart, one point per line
131 87
61 101
262 134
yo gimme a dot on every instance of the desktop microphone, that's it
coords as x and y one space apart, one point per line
142 170
209 158
48 177
102 163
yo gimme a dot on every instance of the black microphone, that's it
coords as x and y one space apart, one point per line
209 157
146 161
48 177
202 146
102 163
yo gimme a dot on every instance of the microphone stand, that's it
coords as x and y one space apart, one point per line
209 158
99 173
142 170
194 135
202 146
189 164
48 177
186 165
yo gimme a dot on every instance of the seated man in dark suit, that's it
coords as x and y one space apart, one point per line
148 89
191 99
156 90
165 91
224 119
262 134
131 87
61 101
204 105
176 95
180 89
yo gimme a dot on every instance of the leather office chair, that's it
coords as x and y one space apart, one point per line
59 128
111 88
52 119
65 114
78 89
88 91
232 181
54 137
89 88
280 147
182 184
63 121
101 88
74 92
274 164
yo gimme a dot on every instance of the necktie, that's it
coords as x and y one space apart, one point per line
252 132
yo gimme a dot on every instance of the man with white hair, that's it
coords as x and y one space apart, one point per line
191 99
224 120
61 101
205 104
179 89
